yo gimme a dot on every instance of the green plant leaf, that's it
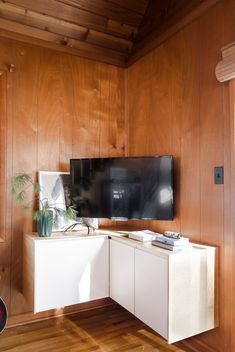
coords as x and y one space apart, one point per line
70 213
20 196
38 214
21 180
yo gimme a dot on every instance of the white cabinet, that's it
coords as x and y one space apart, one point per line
191 295
172 292
151 291
62 272
122 274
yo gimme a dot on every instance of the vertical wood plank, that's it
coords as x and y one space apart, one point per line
5 248
49 110
160 115
106 142
3 151
86 129
231 241
117 110
112 118
68 112
5 259
228 249
211 128
24 112
188 113
138 88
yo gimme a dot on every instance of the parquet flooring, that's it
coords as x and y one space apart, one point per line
105 329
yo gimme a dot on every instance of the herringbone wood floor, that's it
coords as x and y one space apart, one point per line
106 329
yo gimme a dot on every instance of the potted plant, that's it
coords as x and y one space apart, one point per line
48 213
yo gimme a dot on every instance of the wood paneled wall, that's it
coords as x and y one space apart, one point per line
176 107
55 107
169 102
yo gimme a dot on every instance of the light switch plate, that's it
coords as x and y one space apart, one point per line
219 175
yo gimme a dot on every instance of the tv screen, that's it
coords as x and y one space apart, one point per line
123 188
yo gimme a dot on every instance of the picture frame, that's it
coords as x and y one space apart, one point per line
55 189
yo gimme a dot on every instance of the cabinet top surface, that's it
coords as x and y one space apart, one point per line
148 247
76 235
120 235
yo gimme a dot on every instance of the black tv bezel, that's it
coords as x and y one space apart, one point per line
134 157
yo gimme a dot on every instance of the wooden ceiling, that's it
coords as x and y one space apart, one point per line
111 31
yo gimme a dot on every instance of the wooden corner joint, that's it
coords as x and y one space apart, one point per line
225 69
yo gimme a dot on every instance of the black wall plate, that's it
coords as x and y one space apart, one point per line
219 175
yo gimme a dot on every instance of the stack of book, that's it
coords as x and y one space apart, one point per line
171 243
142 235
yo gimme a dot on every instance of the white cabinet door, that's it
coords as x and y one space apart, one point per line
122 274
151 291
70 272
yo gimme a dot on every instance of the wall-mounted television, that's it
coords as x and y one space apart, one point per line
123 188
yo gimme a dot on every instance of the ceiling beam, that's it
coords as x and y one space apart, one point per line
66 29
107 9
26 34
75 15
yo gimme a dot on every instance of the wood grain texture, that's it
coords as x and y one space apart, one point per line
87 96
59 10
58 107
188 112
24 111
107 31
25 318
229 188
230 253
211 127
106 329
67 112
93 29
108 9
153 38
195 109
49 112
158 13
3 140
196 130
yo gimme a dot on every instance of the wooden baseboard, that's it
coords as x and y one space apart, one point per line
30 317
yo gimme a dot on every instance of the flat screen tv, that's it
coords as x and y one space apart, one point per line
123 188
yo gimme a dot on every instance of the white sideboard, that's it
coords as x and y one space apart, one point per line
172 292
151 291
122 274
59 272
